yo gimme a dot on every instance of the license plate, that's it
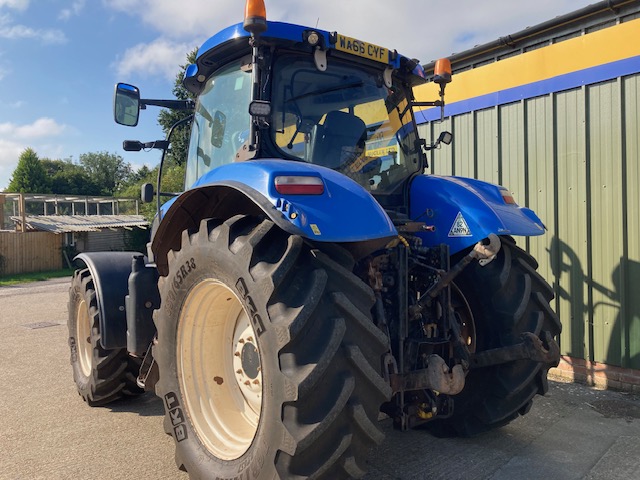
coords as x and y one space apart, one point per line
362 49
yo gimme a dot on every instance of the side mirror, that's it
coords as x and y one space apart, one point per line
146 193
218 126
126 105
445 137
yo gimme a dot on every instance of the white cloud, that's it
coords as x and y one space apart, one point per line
15 4
74 9
183 19
160 57
42 127
427 29
12 31
13 104
15 138
9 153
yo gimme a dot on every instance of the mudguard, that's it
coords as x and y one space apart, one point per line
462 211
110 272
344 212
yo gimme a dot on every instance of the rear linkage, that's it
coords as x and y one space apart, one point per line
441 377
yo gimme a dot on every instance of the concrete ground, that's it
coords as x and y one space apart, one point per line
48 432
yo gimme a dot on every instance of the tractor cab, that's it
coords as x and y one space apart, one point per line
290 92
305 95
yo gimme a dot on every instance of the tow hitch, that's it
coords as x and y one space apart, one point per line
531 348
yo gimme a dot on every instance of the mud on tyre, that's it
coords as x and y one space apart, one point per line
268 357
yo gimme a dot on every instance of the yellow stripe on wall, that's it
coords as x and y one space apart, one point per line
601 47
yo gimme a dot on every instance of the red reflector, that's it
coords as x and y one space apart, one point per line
299 185
507 197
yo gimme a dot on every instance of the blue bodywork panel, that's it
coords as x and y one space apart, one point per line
465 211
345 212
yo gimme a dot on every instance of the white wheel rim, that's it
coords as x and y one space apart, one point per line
219 369
83 338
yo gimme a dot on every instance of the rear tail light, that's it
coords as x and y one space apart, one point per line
299 185
507 197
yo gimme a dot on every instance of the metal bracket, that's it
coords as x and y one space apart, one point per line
387 77
320 59
149 374
480 252
532 348
486 253
437 376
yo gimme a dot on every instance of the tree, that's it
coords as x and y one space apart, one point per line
30 175
107 170
141 175
68 178
166 118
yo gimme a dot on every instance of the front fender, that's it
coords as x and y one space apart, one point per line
344 213
463 211
110 272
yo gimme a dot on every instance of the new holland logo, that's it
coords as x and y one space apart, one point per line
459 227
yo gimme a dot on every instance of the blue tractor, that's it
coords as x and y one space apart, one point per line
311 276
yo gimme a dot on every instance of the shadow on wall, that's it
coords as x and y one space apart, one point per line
587 316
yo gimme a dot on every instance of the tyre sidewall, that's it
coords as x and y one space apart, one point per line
78 294
189 268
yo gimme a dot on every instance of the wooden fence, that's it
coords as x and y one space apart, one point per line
29 252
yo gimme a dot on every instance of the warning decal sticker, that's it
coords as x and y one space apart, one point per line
459 227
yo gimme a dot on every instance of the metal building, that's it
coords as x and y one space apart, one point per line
553 113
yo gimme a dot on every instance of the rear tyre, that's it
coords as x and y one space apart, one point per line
268 358
101 375
507 298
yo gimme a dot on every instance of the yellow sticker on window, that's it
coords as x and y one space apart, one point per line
315 229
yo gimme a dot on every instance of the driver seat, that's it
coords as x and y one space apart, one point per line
340 140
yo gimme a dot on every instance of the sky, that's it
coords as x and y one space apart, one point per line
60 59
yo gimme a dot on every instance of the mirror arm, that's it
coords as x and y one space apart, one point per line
164 154
437 103
171 104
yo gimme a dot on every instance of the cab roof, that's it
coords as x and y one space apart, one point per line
232 42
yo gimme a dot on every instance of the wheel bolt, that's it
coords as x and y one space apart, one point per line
239 372
241 340
256 382
237 354
247 383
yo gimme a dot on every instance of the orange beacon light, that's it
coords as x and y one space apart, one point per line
255 17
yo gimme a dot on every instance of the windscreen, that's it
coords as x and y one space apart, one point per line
344 118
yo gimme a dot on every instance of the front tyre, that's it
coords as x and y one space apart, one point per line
268 358
101 376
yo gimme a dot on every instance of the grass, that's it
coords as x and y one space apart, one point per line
8 280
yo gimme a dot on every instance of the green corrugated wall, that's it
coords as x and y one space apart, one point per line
573 157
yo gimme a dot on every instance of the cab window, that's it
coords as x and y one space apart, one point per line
221 121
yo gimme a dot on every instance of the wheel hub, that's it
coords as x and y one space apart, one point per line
246 364
219 369
83 338
250 360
